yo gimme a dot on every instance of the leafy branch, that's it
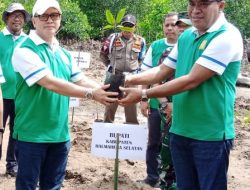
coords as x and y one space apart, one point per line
114 23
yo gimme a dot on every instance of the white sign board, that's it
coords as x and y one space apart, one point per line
81 58
74 102
132 141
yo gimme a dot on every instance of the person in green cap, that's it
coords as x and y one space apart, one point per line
183 22
14 17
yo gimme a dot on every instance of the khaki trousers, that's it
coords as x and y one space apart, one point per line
130 113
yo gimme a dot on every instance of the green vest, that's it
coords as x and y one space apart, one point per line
42 115
206 112
158 47
7 45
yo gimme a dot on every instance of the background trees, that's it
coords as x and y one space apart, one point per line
84 19
238 12
95 10
150 26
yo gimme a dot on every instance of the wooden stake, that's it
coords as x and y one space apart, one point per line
116 171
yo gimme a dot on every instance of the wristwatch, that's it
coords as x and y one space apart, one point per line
89 94
144 97
164 104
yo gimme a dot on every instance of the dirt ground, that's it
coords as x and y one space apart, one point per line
86 172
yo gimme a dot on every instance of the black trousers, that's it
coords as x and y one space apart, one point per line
9 112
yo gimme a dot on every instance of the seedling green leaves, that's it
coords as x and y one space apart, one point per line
112 22
110 18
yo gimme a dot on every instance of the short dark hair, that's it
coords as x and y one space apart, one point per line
169 15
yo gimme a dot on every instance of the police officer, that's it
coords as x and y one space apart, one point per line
123 52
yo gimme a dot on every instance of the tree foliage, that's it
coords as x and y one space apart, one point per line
83 18
152 23
74 23
149 14
238 12
95 10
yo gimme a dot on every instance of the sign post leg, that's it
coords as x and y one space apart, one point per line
72 117
116 163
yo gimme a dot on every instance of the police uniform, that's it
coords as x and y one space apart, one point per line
123 55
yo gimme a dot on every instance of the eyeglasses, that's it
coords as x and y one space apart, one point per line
45 17
201 4
128 24
15 16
